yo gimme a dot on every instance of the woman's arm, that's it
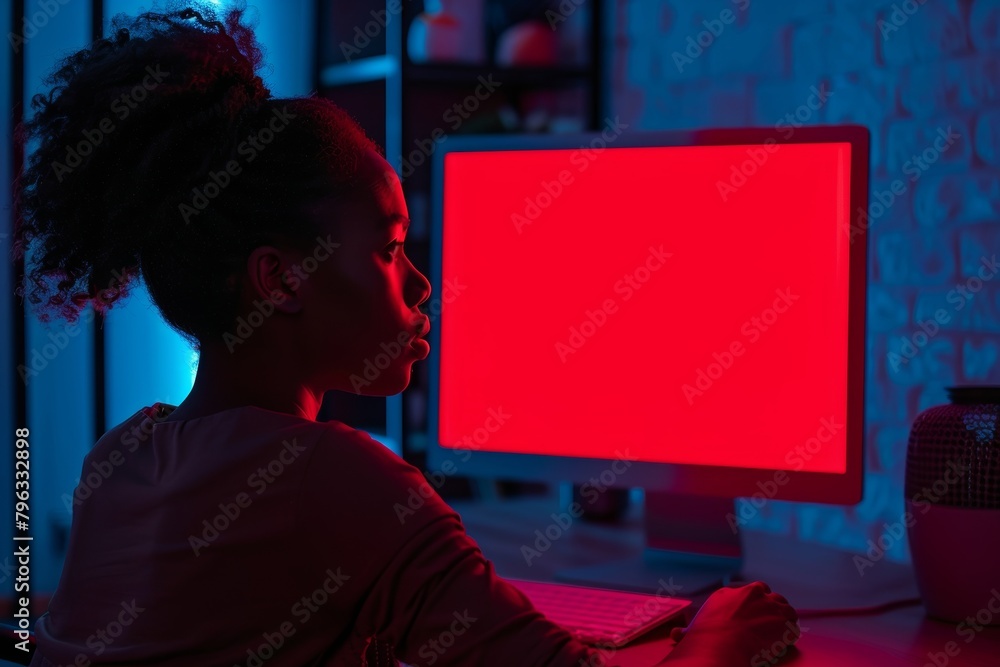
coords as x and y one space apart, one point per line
419 581
441 602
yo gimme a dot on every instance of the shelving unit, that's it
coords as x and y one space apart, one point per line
362 65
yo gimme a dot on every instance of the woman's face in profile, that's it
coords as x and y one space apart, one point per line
362 310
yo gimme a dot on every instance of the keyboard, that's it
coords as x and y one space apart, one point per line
601 617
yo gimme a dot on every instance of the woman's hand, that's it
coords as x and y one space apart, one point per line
746 625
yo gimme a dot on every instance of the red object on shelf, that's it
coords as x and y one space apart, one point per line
527 43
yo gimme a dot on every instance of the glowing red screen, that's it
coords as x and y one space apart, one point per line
659 299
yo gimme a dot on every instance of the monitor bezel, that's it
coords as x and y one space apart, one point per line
716 481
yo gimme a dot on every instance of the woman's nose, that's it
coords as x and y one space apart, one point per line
419 287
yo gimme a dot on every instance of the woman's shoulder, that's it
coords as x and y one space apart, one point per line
352 469
331 446
357 451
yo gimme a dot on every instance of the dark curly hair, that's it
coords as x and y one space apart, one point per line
135 143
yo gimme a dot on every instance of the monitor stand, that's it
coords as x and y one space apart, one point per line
692 545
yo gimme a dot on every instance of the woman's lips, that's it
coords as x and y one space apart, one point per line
422 347
417 343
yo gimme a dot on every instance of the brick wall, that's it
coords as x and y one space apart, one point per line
924 77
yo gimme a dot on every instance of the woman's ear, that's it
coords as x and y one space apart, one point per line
270 275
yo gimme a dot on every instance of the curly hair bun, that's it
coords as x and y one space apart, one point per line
133 137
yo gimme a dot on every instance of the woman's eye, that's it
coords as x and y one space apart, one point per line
393 247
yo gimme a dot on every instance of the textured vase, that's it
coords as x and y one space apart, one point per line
953 505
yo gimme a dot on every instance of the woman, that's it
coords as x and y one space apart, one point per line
235 529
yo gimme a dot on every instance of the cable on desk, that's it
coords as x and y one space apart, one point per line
859 611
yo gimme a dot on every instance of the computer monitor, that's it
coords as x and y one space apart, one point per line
678 311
